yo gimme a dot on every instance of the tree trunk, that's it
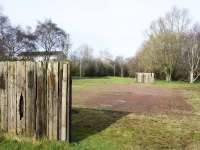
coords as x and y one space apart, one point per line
114 70
80 69
191 76
122 72
168 77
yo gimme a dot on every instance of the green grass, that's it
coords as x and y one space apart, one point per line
178 85
79 84
111 130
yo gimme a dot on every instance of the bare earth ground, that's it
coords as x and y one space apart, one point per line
132 98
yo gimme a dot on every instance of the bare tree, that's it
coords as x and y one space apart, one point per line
176 20
107 57
114 67
51 38
192 52
120 60
4 25
13 39
28 39
84 55
17 40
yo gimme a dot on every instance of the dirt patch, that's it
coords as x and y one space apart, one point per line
133 98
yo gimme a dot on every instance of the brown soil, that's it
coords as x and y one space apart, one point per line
129 98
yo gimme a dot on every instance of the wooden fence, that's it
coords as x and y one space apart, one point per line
35 98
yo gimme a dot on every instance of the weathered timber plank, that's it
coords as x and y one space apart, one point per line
49 103
3 94
64 104
20 93
12 109
30 98
54 87
44 102
52 99
41 111
60 77
69 103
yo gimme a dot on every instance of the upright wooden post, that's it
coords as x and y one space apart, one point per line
21 96
52 97
69 103
60 77
41 100
30 98
64 104
12 108
3 94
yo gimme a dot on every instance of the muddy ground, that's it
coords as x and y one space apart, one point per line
132 98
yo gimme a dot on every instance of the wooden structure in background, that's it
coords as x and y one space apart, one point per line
145 77
35 98
40 55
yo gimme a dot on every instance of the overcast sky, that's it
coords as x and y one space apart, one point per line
115 25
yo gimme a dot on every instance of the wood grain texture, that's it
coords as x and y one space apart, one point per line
69 103
64 104
41 100
35 98
20 93
54 87
30 98
49 102
52 100
60 77
3 94
12 109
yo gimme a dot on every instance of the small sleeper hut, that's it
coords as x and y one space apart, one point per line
144 77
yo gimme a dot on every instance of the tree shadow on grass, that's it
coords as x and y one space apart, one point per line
87 121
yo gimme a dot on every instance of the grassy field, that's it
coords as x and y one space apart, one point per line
107 130
79 84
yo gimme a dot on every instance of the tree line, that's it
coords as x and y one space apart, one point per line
172 48
85 64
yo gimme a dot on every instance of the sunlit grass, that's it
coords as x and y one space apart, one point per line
178 84
79 84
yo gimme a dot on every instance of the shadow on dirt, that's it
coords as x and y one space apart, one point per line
86 121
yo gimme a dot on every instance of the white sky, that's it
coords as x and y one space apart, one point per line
115 25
